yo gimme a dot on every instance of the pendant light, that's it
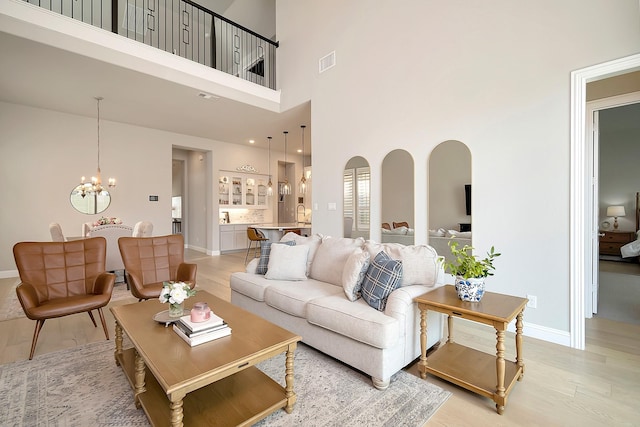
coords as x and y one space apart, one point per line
270 184
302 187
95 186
285 190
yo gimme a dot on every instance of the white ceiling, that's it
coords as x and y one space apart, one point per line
42 76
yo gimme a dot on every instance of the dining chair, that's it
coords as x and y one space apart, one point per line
255 235
62 278
386 226
56 232
143 229
150 261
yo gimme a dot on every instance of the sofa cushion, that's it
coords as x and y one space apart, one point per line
331 257
356 320
287 262
382 277
312 241
250 285
420 264
353 274
292 297
265 251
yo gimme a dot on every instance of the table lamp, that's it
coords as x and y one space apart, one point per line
615 212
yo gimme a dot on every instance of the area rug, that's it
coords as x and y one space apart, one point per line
82 386
10 307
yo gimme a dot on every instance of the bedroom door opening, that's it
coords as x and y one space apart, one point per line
607 189
581 194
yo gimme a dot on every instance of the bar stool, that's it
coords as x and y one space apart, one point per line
254 235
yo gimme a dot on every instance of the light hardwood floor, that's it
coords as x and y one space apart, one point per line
561 386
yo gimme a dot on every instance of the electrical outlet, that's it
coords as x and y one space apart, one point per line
533 301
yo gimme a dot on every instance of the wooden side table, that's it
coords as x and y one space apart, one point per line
476 371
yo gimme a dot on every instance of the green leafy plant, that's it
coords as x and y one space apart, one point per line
468 265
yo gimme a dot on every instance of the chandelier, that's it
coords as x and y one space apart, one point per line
286 188
302 187
270 184
95 186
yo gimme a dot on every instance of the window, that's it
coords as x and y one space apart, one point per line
356 184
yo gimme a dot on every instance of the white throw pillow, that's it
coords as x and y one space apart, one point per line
331 257
312 241
287 262
353 274
420 264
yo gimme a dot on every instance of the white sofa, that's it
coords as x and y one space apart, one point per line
319 308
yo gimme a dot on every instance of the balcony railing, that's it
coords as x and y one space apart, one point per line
183 28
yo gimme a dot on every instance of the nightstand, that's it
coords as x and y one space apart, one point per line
612 241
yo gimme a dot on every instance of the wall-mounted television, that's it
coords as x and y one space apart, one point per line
467 197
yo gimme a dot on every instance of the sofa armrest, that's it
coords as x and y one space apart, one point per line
401 300
252 267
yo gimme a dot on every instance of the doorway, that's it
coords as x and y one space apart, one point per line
613 129
582 213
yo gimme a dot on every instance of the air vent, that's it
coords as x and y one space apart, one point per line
327 61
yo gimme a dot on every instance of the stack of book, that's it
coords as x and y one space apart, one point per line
201 332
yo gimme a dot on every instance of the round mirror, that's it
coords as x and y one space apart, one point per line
356 183
397 198
88 202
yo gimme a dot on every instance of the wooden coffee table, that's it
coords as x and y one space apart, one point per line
482 373
213 384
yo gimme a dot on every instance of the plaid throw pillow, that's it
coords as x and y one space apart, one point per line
265 251
383 276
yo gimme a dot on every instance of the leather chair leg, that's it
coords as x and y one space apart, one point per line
104 324
36 332
92 319
248 249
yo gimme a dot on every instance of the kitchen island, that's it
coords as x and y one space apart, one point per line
274 232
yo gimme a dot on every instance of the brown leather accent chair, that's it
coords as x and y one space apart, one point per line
400 224
150 261
62 278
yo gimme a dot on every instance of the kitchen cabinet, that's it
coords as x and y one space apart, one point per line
242 190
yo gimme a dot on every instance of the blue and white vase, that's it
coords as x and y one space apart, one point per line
471 289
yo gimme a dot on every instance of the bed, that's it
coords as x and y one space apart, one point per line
633 249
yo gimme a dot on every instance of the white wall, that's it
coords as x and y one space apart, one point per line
397 188
44 153
495 75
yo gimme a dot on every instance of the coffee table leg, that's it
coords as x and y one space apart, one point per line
500 369
139 375
118 343
288 378
422 365
176 413
519 359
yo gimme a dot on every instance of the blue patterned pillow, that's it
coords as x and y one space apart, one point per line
383 276
265 251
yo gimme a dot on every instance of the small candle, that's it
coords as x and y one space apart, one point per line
200 312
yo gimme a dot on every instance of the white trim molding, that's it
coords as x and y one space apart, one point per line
580 209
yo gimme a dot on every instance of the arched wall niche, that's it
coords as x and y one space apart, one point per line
357 198
449 172
397 204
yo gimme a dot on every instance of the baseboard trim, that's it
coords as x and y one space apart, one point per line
536 331
544 333
8 274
